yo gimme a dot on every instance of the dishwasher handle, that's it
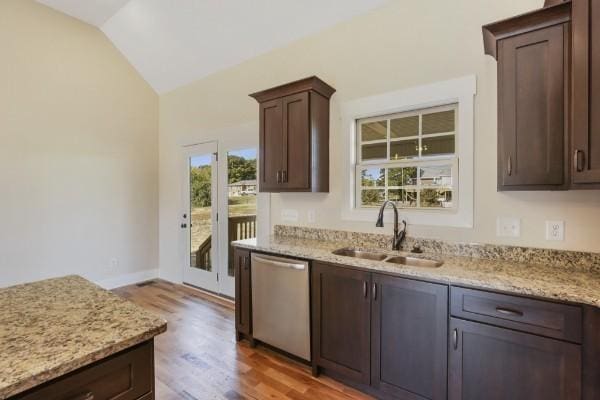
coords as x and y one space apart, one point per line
280 264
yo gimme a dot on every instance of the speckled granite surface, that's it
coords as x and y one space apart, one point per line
577 260
52 327
577 284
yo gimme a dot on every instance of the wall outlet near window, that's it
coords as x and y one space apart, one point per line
555 230
289 215
508 227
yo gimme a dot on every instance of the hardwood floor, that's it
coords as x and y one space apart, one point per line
198 357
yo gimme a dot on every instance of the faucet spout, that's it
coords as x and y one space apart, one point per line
399 236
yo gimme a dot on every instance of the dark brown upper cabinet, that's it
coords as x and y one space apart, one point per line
533 53
585 168
294 137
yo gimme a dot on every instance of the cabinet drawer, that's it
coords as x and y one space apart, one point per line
544 318
128 375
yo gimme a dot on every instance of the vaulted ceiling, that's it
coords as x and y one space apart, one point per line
173 43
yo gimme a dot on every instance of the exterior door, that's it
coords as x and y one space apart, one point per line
498 364
409 338
239 203
199 217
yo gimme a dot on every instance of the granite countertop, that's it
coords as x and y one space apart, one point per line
576 285
55 326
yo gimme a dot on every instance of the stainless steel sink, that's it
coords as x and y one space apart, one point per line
367 255
415 262
402 260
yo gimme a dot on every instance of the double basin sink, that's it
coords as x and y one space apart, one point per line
393 259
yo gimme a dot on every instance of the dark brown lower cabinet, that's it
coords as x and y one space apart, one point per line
409 338
243 296
128 375
341 311
491 363
381 331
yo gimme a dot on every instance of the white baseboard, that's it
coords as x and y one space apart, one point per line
128 279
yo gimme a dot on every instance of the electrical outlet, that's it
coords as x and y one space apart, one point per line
508 227
289 215
114 264
312 216
555 230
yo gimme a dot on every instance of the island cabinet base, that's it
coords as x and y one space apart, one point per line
128 375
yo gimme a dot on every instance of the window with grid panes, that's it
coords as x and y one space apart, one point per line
409 158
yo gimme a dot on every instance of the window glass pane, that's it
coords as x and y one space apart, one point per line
374 131
404 198
438 122
372 197
375 151
404 149
403 127
436 198
241 198
438 175
440 145
402 176
201 212
373 177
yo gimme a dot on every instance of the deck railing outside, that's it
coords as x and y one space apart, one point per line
238 228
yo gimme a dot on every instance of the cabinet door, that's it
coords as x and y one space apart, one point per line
586 93
409 338
341 321
531 110
271 145
498 364
296 142
243 303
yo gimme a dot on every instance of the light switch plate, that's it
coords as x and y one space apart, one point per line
289 215
555 230
508 227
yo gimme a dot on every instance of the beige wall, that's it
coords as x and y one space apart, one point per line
78 152
404 44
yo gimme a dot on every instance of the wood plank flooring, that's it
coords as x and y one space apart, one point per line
198 357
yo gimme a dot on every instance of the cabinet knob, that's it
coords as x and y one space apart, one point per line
455 339
374 291
365 289
284 178
278 175
509 166
576 160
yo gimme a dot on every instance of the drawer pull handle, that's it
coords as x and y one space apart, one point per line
455 339
578 161
83 396
508 311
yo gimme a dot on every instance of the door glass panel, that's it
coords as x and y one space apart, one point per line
201 212
241 198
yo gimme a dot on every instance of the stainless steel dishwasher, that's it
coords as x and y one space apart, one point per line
281 304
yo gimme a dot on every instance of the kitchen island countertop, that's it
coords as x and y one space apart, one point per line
52 327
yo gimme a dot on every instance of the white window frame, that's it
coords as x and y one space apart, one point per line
417 162
460 91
